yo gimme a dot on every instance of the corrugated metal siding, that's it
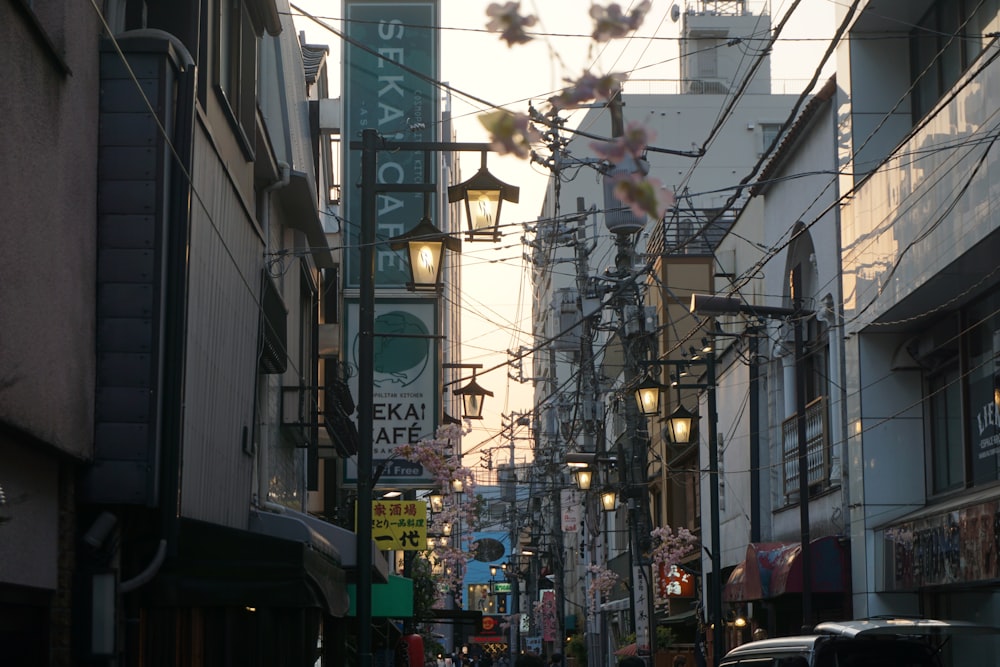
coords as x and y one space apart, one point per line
224 274
132 223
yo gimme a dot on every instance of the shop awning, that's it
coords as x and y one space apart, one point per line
390 600
217 565
685 617
771 569
290 524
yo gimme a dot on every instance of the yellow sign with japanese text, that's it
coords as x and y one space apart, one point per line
399 525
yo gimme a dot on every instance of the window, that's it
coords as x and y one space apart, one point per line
945 42
944 412
816 361
983 389
768 133
962 398
707 58
236 75
815 356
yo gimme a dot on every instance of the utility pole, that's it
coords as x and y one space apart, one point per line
634 446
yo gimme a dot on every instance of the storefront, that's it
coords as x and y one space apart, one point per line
765 589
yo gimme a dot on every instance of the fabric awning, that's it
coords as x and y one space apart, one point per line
771 569
218 565
627 650
390 600
690 616
291 524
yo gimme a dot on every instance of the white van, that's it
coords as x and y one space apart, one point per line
877 642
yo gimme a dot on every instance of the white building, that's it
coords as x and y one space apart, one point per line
791 223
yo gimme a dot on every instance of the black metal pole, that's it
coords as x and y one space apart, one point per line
755 510
803 450
715 583
366 391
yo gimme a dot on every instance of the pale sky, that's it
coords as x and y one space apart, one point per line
496 290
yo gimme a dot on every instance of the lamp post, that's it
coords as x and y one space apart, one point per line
370 144
680 428
703 304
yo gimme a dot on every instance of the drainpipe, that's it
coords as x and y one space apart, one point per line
177 240
263 449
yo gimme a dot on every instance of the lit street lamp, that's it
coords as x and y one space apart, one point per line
483 195
425 245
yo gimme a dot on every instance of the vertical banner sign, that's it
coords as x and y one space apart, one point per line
390 44
406 399
572 506
548 599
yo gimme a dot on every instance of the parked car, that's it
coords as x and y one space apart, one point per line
876 642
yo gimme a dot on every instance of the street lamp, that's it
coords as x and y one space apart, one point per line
472 394
680 425
647 397
436 502
583 478
483 195
472 398
371 143
425 244
609 499
703 304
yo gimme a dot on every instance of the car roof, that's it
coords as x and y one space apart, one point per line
796 644
871 628
895 627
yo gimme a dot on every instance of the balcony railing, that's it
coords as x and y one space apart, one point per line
817 447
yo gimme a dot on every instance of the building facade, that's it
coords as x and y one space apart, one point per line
158 515
918 236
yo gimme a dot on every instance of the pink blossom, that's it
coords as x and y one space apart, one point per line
631 144
587 88
669 547
510 133
611 23
602 582
506 20
644 195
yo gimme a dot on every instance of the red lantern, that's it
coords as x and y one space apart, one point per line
410 651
